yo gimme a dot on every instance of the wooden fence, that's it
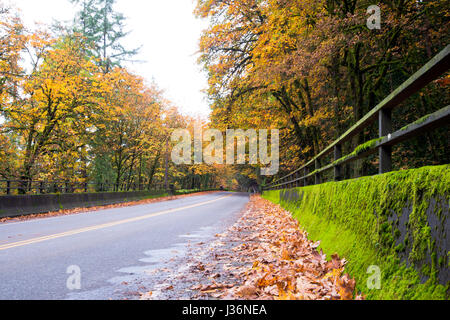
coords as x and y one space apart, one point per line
313 170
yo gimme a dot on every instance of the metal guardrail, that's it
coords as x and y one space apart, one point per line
431 71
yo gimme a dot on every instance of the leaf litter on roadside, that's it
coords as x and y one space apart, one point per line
285 264
266 256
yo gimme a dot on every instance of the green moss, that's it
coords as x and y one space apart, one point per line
400 248
366 146
420 121
359 220
359 150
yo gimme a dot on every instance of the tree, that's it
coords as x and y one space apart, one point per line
104 30
74 117
132 129
57 105
313 68
12 43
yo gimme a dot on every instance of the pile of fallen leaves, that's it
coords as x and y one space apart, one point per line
274 260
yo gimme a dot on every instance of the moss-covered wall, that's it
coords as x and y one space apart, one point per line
396 221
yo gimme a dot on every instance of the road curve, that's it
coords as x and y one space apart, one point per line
35 255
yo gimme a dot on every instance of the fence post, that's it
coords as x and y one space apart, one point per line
317 175
41 187
8 187
337 168
385 128
305 174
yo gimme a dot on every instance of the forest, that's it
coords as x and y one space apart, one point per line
70 110
314 68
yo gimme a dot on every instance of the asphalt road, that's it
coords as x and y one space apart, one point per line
35 255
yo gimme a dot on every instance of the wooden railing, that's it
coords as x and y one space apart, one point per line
387 139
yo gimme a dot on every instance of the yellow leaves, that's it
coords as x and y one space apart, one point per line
256 270
40 40
346 293
285 255
287 292
267 280
286 265
67 99
334 274
12 42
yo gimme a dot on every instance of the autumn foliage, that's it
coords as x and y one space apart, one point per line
314 68
265 255
69 112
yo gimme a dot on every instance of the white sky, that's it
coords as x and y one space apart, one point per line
168 33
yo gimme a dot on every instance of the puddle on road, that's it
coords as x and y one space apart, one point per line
160 266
